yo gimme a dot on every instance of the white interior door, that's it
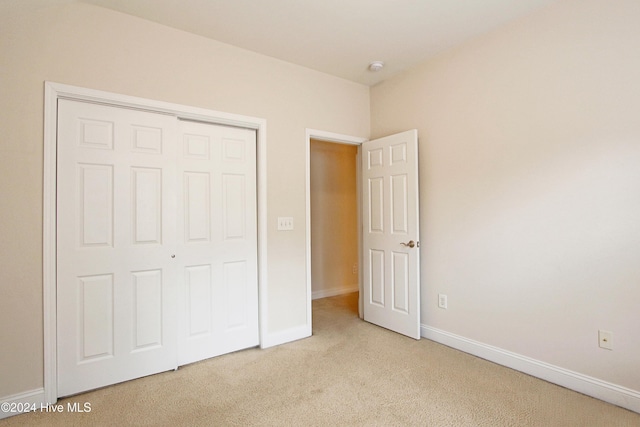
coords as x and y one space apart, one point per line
116 283
391 249
217 240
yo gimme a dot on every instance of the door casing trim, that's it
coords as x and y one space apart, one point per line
53 92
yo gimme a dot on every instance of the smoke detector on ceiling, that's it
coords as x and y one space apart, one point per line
376 66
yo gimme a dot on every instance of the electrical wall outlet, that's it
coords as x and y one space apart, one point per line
605 339
442 301
354 269
285 223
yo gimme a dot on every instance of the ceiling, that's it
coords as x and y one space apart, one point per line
338 37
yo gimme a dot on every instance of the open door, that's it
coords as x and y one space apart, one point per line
390 233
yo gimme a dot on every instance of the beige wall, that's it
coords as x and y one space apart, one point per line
530 185
334 218
88 46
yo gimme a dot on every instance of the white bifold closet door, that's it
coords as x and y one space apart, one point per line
156 243
217 241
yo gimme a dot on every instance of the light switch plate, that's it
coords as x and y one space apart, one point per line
285 223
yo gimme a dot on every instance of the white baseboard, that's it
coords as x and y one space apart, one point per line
283 337
324 293
19 401
612 393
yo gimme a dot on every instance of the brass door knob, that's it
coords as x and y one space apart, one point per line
411 244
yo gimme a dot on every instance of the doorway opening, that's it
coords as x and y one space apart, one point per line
332 216
334 219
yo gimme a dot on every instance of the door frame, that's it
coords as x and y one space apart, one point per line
53 92
340 139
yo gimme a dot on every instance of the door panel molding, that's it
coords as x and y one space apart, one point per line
56 91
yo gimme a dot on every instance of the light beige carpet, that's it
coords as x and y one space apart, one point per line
350 373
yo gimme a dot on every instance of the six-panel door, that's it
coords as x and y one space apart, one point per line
116 284
217 240
391 268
